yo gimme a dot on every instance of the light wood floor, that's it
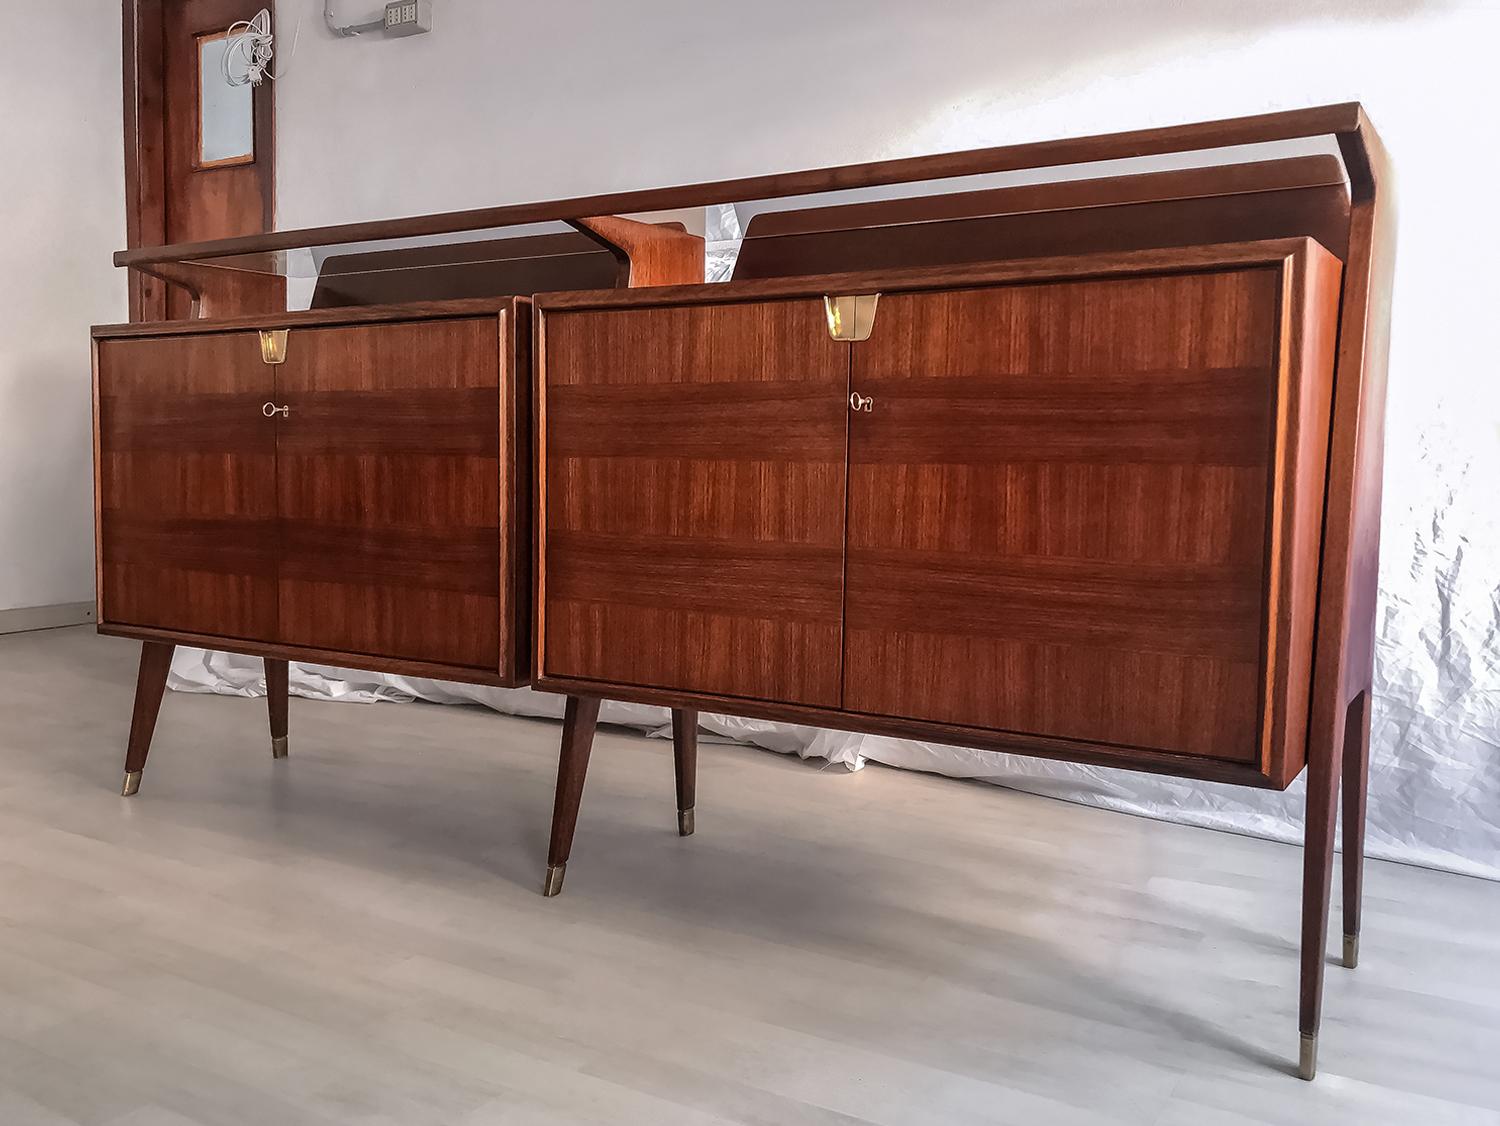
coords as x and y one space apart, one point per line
355 935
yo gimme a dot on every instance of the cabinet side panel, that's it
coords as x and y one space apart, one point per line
694 461
186 485
1058 509
1309 337
389 490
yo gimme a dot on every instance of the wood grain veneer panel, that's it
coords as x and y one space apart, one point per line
389 487
693 499
187 534
1058 509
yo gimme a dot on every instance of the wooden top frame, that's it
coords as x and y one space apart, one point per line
1346 122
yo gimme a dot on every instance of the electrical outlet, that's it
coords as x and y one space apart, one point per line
408 17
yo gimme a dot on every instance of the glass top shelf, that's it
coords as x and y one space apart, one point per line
309 262
303 254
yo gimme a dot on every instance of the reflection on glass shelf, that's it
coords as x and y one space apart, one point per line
308 262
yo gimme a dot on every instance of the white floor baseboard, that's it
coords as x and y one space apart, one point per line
26 618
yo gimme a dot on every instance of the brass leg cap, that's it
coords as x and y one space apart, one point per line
132 783
684 822
553 884
1351 950
278 746
1307 1060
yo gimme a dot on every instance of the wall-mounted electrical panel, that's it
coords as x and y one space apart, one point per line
408 17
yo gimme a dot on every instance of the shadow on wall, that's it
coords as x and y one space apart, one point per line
1042 42
1027 55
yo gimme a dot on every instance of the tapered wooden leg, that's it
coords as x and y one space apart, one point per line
685 755
1323 768
1356 787
150 683
579 721
276 696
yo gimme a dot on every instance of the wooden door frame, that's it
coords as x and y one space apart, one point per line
143 32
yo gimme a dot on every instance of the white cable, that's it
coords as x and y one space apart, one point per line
251 43
345 31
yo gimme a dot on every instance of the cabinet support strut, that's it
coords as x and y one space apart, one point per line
276 704
150 684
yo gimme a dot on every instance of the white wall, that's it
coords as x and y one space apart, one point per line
62 214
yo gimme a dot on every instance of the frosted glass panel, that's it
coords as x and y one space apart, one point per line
226 114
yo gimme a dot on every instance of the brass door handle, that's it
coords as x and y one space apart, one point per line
858 402
271 410
851 316
273 345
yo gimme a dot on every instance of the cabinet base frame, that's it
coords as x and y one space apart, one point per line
275 651
157 647
1125 758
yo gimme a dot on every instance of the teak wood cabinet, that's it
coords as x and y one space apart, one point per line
1087 469
1072 507
360 497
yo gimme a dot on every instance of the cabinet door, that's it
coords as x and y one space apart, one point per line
388 477
186 486
1058 509
693 520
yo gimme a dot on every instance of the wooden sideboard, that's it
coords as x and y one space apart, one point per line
1068 506
348 485
364 495
1087 469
